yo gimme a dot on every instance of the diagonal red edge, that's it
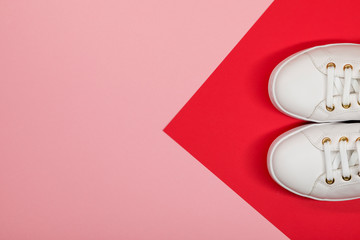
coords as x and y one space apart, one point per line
229 123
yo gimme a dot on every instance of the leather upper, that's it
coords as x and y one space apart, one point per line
297 161
340 54
298 84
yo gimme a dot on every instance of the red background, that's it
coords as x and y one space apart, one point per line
229 124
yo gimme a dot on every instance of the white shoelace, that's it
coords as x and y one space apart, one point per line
341 158
341 88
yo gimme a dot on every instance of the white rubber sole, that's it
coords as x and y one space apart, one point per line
270 154
275 72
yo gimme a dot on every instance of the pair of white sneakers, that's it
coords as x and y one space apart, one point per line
320 160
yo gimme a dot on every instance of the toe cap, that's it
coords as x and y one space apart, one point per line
298 86
295 163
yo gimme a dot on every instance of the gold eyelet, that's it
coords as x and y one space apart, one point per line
358 102
344 139
330 109
346 106
358 139
331 64
346 178
325 140
348 66
330 181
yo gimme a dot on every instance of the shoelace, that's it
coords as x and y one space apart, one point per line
340 158
343 89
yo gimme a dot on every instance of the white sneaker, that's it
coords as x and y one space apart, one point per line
319 84
318 161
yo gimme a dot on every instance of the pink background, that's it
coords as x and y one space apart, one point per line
86 89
